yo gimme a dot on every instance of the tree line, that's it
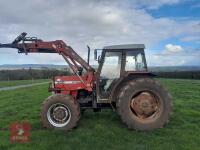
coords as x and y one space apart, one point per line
179 74
29 74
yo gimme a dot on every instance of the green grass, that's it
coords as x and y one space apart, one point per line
104 130
20 82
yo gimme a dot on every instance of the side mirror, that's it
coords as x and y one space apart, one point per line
95 54
88 59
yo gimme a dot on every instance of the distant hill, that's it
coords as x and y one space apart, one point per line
60 67
32 66
173 68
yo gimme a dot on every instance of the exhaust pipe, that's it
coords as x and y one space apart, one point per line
88 59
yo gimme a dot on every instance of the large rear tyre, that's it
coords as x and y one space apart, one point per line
60 112
144 104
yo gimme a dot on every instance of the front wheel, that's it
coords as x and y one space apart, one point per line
144 104
60 112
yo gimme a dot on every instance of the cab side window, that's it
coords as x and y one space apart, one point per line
135 61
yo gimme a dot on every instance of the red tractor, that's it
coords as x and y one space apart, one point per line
121 82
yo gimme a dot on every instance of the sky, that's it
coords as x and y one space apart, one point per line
170 29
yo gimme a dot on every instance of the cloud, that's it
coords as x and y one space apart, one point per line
172 49
93 22
169 61
175 55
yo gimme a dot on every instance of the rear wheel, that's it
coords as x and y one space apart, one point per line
60 112
144 104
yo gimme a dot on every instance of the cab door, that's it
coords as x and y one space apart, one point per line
109 72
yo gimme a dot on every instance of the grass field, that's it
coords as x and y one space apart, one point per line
20 82
104 130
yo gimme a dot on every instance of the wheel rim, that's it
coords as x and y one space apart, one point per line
58 115
145 106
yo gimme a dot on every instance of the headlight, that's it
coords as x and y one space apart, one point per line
58 81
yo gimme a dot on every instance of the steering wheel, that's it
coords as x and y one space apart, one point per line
19 38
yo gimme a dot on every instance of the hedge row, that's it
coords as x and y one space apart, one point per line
26 74
179 75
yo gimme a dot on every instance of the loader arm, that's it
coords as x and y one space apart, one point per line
33 45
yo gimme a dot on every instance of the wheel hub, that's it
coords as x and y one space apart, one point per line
58 115
144 105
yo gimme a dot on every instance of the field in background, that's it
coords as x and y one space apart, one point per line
21 82
104 130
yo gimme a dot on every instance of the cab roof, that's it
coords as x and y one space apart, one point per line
125 46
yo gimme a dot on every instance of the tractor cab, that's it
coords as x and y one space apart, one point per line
116 62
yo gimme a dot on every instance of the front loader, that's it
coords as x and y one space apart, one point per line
121 82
